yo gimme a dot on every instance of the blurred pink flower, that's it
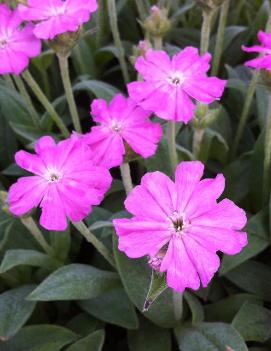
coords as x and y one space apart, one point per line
65 184
56 16
169 85
119 122
180 225
264 61
17 44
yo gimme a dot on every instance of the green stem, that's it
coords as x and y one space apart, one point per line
197 140
220 36
238 8
171 136
141 9
178 305
9 82
158 43
91 238
64 69
267 156
206 31
245 113
31 225
45 102
22 89
112 11
126 177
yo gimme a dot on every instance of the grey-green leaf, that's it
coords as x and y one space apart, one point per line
209 337
195 307
14 258
14 310
40 338
253 322
92 342
157 286
74 282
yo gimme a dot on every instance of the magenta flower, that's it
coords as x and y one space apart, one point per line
65 184
17 43
56 16
120 122
169 85
264 61
180 225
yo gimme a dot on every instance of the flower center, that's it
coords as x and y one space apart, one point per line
53 176
176 79
56 11
115 126
3 43
178 222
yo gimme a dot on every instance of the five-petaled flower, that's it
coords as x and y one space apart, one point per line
122 121
65 184
17 44
180 225
55 17
264 61
169 85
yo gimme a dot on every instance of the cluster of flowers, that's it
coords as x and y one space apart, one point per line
179 225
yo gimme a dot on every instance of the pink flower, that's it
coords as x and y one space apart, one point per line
65 184
120 122
264 61
57 16
17 44
180 225
169 85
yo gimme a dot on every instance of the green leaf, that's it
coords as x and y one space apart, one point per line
74 282
258 240
44 60
149 338
14 310
253 322
61 243
195 307
209 337
157 286
39 338
14 258
224 310
253 277
8 145
136 275
113 307
99 89
92 342
160 161
83 324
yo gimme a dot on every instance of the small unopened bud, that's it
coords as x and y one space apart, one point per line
140 50
63 43
156 261
209 5
157 24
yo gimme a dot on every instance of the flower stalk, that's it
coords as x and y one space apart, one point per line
171 136
31 225
245 112
24 93
91 238
45 102
220 36
206 31
112 11
65 75
126 177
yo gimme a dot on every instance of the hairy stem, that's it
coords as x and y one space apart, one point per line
178 305
9 81
197 140
113 18
31 225
206 31
65 75
126 177
141 9
171 135
91 238
267 156
45 102
220 36
24 93
245 113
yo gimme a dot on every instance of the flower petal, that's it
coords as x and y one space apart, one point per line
31 163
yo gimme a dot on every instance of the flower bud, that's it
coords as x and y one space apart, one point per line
156 261
157 24
63 43
4 202
209 5
205 117
140 50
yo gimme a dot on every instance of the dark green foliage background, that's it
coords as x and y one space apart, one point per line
75 302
